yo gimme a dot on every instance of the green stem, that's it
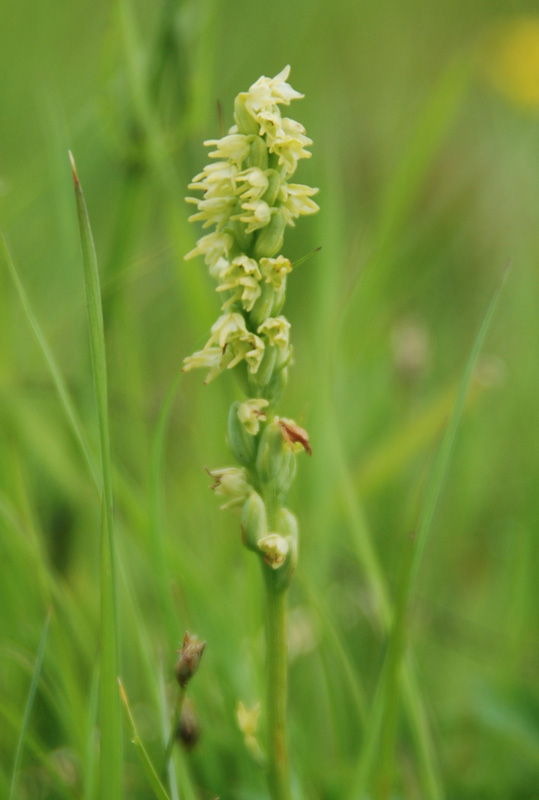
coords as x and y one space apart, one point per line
276 646
174 728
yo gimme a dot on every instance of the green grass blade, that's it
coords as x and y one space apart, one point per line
89 782
432 126
125 491
151 773
61 388
368 558
439 471
10 720
381 730
109 704
157 521
339 655
29 705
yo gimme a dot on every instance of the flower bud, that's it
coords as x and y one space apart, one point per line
245 122
258 153
241 442
280 550
286 475
263 305
278 299
270 456
270 239
188 731
188 659
274 549
253 521
264 373
284 358
287 524
243 240
276 386
274 184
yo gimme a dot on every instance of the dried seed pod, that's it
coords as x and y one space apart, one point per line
188 658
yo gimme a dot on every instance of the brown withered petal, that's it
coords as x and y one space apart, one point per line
292 433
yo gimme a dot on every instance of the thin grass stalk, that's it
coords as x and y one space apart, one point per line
368 557
58 379
158 789
111 760
157 525
382 728
11 720
408 580
178 706
29 706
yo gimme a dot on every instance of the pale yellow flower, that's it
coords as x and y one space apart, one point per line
268 92
248 724
227 328
277 330
255 183
210 358
230 482
242 277
249 347
234 147
213 247
251 414
275 270
255 215
296 200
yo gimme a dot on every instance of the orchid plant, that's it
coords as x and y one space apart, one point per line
247 201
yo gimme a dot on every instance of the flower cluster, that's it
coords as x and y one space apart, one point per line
248 200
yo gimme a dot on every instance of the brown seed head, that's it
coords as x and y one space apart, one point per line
188 659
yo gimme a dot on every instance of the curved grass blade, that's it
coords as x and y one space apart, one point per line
61 388
381 730
110 774
151 773
362 541
89 782
29 706
10 720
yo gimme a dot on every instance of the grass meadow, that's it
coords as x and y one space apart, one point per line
414 611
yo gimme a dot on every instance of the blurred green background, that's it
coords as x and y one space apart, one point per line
425 122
